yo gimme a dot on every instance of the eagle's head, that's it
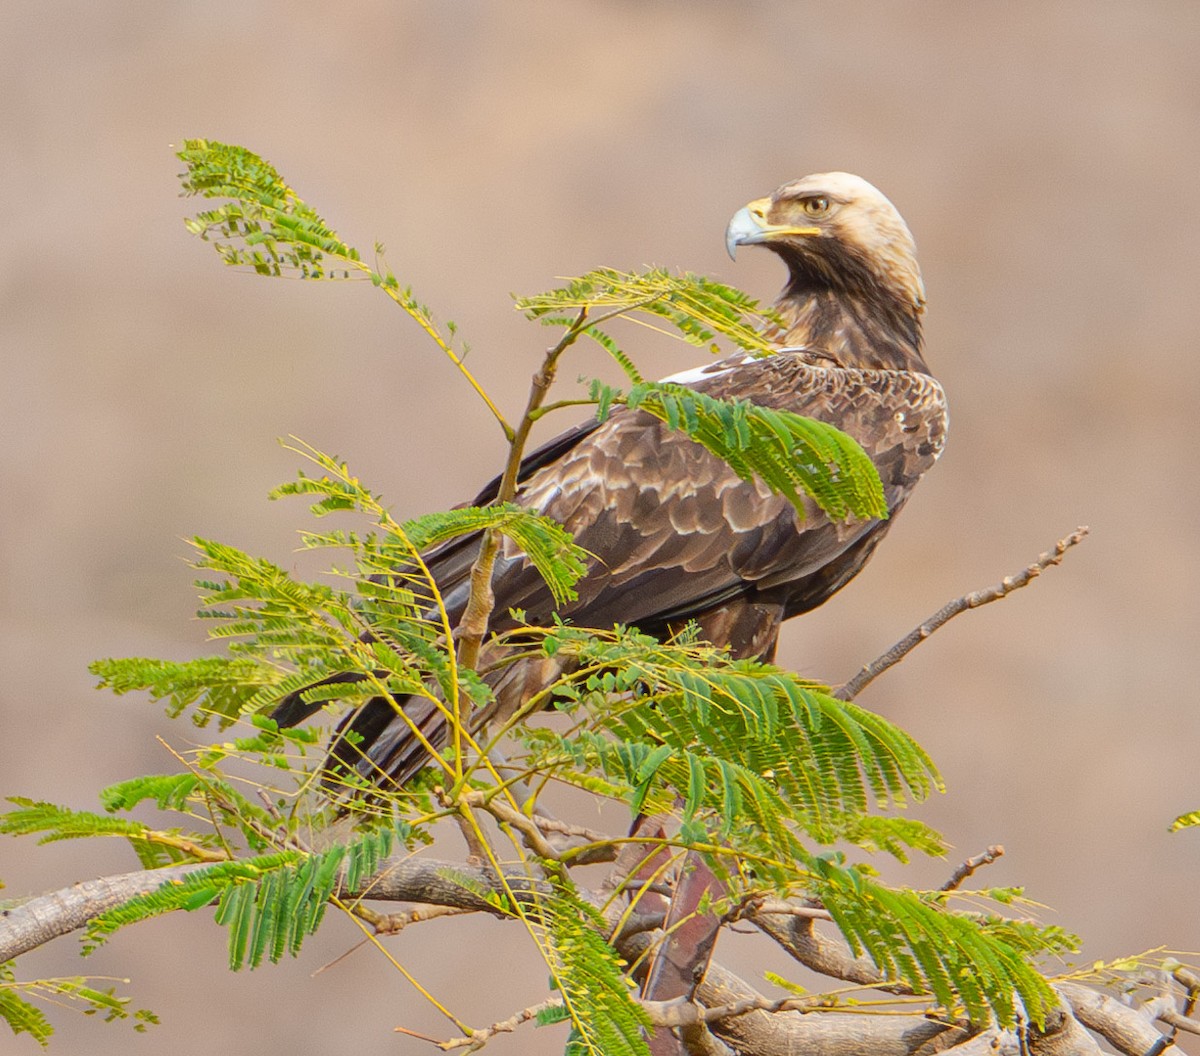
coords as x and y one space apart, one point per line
835 231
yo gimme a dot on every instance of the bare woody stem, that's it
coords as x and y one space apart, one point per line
482 600
968 601
971 865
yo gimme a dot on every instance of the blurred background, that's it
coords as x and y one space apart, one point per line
1044 155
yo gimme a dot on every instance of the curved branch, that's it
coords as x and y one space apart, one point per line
947 612
1122 1026
38 920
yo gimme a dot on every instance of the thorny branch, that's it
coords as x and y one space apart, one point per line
968 601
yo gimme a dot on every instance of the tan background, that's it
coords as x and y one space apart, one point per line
1044 154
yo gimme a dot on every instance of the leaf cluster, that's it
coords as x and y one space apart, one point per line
590 976
24 1017
270 903
695 307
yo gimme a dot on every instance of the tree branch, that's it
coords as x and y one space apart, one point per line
968 601
969 867
1122 1026
38 920
725 1008
481 601
478 1038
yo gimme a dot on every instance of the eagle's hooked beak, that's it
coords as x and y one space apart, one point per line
749 227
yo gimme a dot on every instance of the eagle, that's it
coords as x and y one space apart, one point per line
673 534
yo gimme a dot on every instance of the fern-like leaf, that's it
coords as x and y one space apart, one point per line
270 903
548 545
1186 821
219 686
21 1016
983 970
266 225
605 1019
791 454
154 847
699 308
823 755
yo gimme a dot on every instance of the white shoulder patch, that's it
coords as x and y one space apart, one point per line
709 370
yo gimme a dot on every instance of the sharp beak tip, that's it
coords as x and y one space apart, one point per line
741 230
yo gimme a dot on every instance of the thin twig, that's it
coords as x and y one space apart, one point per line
476 851
415 1034
968 601
391 923
1191 983
682 1012
1179 1021
478 1038
970 865
553 825
788 909
564 837
481 600
507 815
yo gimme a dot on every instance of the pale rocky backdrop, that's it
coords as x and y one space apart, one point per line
1045 155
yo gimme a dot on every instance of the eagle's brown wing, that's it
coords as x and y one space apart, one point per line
674 531
675 534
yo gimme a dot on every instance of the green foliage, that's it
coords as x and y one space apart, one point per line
789 453
277 231
203 795
545 542
552 1014
757 766
154 847
221 685
756 761
1186 821
270 903
23 1017
820 755
605 1020
915 939
697 307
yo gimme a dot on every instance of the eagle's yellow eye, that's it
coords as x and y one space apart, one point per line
817 205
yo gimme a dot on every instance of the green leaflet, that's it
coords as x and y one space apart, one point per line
791 454
824 756
699 308
548 545
605 1020
270 903
1186 821
980 969
604 340
220 686
154 847
266 226
23 1017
